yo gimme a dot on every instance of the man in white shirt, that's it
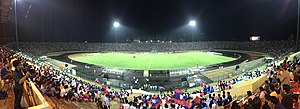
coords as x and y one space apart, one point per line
73 84
132 107
106 102
63 92
108 89
126 105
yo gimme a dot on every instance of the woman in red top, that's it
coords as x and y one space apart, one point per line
150 102
81 97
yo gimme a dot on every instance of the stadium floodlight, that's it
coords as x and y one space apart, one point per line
16 26
192 23
150 40
158 41
297 38
116 24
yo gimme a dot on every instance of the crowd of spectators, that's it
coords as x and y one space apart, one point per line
280 91
54 83
276 48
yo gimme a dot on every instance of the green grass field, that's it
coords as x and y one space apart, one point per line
152 61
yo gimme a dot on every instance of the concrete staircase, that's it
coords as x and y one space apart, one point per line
63 104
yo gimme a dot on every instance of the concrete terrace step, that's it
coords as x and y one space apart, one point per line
63 104
49 101
58 103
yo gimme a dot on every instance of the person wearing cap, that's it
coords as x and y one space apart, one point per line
19 79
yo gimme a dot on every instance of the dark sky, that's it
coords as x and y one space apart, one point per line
91 20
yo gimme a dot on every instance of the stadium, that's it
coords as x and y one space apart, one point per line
169 67
132 69
57 54
148 66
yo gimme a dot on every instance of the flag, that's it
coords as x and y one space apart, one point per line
103 88
167 101
212 90
202 94
157 102
177 96
185 107
177 93
187 103
204 89
197 99
105 92
117 94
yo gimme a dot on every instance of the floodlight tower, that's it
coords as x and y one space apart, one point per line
192 24
116 26
297 39
16 25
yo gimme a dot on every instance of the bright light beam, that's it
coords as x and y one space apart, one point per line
116 24
192 23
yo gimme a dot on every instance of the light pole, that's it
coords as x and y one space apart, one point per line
192 24
297 39
16 26
116 25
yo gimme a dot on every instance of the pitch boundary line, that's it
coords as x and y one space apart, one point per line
150 62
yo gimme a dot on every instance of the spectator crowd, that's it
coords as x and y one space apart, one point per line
276 48
280 91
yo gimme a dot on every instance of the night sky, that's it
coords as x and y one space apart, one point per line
91 20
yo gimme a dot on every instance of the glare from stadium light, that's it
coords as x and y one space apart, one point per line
150 40
162 41
254 38
192 23
116 24
139 41
146 41
170 41
158 41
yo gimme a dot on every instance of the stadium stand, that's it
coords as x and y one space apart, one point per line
275 48
280 90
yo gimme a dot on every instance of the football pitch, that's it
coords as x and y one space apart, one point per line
151 61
